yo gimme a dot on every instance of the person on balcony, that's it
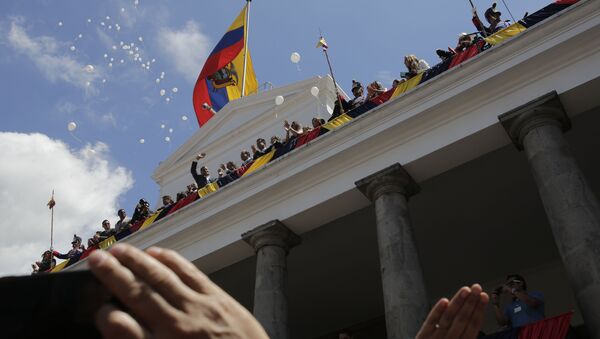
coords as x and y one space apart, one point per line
45 265
292 130
123 223
414 66
525 308
492 15
357 91
192 189
260 149
374 89
141 212
203 178
167 201
75 252
246 157
102 235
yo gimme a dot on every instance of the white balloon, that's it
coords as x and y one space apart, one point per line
140 39
184 118
167 100
110 64
107 17
157 80
167 139
103 81
314 91
89 68
142 141
80 36
162 92
89 20
295 57
102 23
279 100
175 89
122 9
170 130
60 23
88 84
105 55
71 126
72 48
162 126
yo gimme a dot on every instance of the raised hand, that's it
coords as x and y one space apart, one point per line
167 297
459 318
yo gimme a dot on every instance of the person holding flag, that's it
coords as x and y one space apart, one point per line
228 73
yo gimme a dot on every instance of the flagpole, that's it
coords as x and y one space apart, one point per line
52 224
337 93
246 31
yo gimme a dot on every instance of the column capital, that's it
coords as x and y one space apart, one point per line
273 233
393 179
545 110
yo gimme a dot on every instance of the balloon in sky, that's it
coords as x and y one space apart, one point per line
162 126
167 100
314 91
170 130
279 100
60 23
89 68
184 118
72 48
162 92
295 57
167 139
71 126
175 90
142 141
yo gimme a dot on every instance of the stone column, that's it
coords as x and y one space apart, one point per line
404 295
272 242
571 206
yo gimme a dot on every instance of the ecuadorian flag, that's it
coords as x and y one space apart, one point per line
221 78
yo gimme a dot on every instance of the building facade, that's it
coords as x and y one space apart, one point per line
491 168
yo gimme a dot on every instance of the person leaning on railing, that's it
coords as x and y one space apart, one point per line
525 308
123 223
45 265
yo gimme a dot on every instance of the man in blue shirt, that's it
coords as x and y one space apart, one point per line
526 307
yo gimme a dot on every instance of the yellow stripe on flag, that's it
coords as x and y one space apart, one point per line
60 266
260 162
107 242
504 34
149 220
208 189
337 122
408 84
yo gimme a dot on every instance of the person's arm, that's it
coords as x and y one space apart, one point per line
166 296
59 255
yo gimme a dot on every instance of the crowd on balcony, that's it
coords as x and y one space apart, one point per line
526 307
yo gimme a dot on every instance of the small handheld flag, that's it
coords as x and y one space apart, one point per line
323 44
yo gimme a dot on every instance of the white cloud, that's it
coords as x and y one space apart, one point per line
87 186
187 49
45 53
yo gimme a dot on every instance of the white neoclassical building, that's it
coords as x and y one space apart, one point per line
491 168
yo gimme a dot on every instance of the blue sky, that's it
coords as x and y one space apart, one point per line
45 84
